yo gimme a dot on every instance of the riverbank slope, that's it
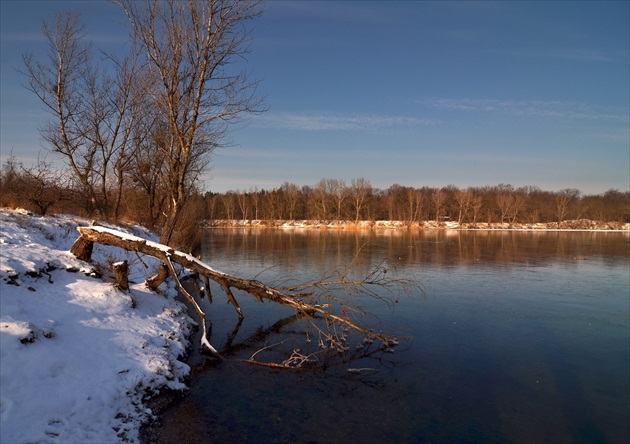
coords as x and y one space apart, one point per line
79 359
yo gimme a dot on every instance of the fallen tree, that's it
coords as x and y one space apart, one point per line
290 296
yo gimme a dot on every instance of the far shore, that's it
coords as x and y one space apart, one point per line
567 225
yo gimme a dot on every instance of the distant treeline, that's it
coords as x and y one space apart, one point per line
334 199
44 190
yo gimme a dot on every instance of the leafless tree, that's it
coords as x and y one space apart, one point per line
146 167
43 185
504 200
9 182
255 200
415 199
339 193
242 198
39 187
191 49
228 204
94 112
129 118
321 198
291 194
437 199
360 191
61 82
464 200
563 199
476 205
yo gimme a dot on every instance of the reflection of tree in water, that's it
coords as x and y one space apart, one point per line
295 337
334 328
281 249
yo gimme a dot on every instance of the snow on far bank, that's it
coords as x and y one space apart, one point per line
78 356
576 225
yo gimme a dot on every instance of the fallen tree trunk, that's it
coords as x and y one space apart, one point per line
105 236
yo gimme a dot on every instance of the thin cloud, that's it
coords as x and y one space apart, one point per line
587 55
536 108
336 122
28 37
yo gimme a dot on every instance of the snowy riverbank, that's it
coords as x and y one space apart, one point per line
78 357
581 224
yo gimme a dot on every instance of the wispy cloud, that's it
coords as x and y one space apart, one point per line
539 108
336 122
27 37
588 55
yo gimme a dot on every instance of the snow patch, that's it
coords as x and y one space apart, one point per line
77 356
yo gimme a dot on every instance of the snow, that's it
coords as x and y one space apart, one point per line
77 355
567 225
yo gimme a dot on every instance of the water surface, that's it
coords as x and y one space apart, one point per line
516 337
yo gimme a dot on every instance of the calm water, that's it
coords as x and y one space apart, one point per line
516 337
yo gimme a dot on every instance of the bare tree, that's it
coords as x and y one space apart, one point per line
94 113
476 205
255 200
10 182
414 200
228 204
339 193
563 199
146 167
321 197
360 191
464 200
191 48
242 198
60 84
291 196
127 120
437 198
504 199
43 185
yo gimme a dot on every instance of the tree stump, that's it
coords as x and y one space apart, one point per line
154 281
121 269
82 249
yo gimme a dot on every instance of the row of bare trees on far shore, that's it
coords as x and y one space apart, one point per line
43 189
334 199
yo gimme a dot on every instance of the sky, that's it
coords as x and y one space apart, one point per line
411 93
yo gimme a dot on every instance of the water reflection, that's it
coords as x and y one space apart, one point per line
522 337
327 249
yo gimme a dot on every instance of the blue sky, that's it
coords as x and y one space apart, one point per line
414 93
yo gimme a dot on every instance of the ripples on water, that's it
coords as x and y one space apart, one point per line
517 337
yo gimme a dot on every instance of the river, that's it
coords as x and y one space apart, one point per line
509 337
